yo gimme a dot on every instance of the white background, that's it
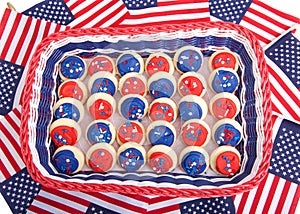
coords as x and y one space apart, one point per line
287 6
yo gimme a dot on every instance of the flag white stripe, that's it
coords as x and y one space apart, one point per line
250 198
167 203
174 212
128 200
115 18
14 117
280 107
277 195
11 130
265 193
257 30
79 7
47 207
237 200
290 197
7 30
2 177
7 163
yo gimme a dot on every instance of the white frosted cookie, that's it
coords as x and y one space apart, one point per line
103 82
192 83
161 132
163 109
162 84
194 160
162 159
133 83
101 157
223 59
129 61
101 106
225 160
65 131
73 89
131 131
157 62
187 59
227 132
195 132
100 131
192 107
224 105
68 159
72 67
69 108
101 63
224 80
133 107
131 156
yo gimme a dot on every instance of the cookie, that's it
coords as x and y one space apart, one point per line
100 131
227 132
65 132
192 107
192 83
224 105
131 156
69 108
188 58
225 160
68 160
101 157
73 89
195 132
162 159
161 133
133 83
163 109
157 62
72 67
224 80
133 107
162 84
194 160
223 59
101 106
101 63
103 82
130 62
131 131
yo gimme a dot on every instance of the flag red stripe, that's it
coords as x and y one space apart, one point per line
261 26
13 124
11 36
295 202
258 193
86 9
242 203
11 139
261 38
160 199
17 112
138 197
121 19
170 3
4 21
9 157
274 108
283 196
271 194
4 171
57 205
78 2
38 210
165 209
47 29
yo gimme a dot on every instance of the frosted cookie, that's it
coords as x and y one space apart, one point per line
130 62
195 132
131 156
131 131
68 159
72 67
162 84
194 160
101 63
69 108
103 82
227 132
101 157
162 159
65 132
224 80
133 107
223 59
192 107
100 131
224 105
188 58
192 83
133 83
73 89
161 133
163 109
225 160
157 62
101 106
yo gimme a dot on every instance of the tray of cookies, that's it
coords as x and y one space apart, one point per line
181 110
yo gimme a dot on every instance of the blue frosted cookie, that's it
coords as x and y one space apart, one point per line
224 80
161 132
100 131
69 108
192 107
72 67
162 84
188 59
129 62
104 82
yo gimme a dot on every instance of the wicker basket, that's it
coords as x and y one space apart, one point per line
254 93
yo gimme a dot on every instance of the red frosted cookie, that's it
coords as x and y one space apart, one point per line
101 63
157 62
101 106
133 83
223 59
73 89
101 157
225 160
131 131
163 109
195 132
192 83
